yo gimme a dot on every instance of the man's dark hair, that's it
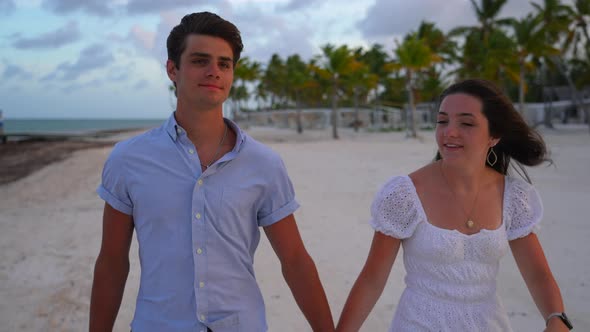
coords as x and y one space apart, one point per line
203 23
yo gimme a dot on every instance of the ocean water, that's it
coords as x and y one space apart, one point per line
77 126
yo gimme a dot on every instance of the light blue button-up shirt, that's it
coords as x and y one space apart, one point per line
197 231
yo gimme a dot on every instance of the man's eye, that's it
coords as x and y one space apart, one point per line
225 65
200 61
468 124
441 121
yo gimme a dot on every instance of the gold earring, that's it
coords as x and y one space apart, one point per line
493 155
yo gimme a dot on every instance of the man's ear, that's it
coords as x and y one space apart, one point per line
171 70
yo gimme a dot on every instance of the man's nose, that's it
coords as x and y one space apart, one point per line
213 70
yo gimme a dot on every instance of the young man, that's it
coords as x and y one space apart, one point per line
196 190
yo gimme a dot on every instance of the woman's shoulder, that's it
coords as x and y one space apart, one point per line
519 188
423 177
395 185
395 211
525 208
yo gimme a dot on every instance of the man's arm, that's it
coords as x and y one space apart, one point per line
111 269
300 273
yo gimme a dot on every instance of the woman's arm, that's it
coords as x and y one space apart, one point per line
533 267
370 283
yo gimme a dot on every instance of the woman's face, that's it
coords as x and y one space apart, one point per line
462 130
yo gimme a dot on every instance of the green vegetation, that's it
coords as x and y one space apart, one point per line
549 46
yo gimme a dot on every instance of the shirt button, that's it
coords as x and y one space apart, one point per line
191 151
200 182
178 131
203 318
201 284
199 251
198 215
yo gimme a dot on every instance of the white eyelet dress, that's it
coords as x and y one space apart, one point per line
451 276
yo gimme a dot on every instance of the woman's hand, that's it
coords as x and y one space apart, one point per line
556 325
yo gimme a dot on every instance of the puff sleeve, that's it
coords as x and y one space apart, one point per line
394 210
525 209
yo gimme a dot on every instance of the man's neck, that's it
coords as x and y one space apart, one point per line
203 127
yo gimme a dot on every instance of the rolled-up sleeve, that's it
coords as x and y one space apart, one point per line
114 188
279 200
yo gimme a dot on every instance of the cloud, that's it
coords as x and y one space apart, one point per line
7 7
397 17
93 57
13 71
156 6
94 7
272 34
67 34
168 20
294 5
143 38
141 84
73 87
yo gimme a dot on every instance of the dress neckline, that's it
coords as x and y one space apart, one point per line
454 230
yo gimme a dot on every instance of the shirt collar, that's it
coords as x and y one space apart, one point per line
175 131
173 128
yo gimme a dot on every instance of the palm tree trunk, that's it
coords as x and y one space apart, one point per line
547 110
298 114
574 91
356 109
521 89
334 112
411 125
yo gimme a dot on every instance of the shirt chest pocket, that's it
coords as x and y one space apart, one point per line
238 210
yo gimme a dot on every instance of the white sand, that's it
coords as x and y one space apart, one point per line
50 229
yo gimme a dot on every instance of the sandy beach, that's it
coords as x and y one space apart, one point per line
50 230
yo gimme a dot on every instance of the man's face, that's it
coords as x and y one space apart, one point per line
206 72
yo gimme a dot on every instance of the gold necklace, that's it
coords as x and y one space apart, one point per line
218 148
469 223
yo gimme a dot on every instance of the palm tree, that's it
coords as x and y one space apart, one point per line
273 80
298 80
556 18
412 56
530 43
431 81
245 72
338 62
580 16
379 64
487 49
360 82
486 16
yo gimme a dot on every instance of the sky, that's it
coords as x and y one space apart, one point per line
105 58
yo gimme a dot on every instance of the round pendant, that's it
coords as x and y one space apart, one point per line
470 224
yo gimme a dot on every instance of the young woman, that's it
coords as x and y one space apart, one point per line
456 217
